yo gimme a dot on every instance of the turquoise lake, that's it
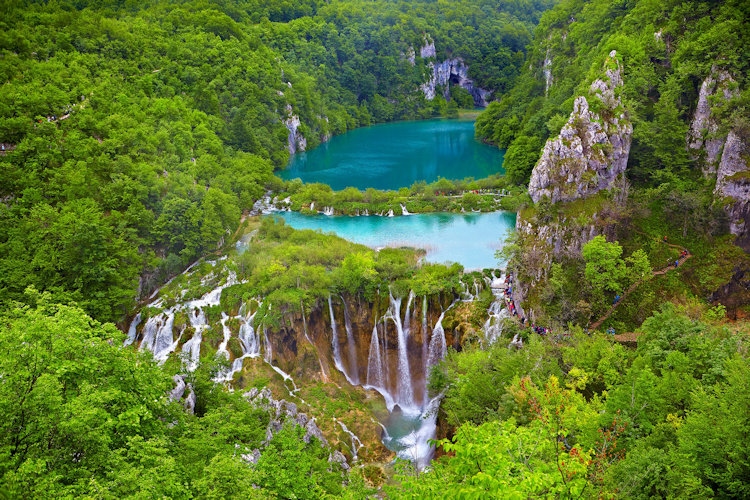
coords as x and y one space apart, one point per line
395 155
469 239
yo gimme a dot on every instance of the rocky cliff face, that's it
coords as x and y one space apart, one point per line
592 149
733 187
725 155
448 72
296 141
704 135
453 72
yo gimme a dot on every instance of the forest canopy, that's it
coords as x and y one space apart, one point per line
134 136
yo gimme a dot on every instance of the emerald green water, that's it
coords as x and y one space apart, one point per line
395 155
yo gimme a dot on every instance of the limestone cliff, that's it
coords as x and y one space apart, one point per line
296 141
704 132
592 149
733 187
452 71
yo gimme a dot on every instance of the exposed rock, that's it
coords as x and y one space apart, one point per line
283 412
547 70
452 71
428 49
296 141
190 400
313 431
252 457
703 133
179 388
733 187
339 458
592 149
410 56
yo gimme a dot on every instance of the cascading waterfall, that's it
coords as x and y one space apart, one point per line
375 375
404 390
424 332
438 346
267 351
132 331
356 442
351 345
335 345
493 327
404 211
192 348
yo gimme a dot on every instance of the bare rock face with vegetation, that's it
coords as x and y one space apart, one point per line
704 132
733 187
593 146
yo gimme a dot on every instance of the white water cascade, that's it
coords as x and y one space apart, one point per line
192 348
438 347
404 391
132 331
493 327
335 344
404 211
375 372
356 442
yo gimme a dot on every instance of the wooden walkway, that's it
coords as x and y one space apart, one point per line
635 285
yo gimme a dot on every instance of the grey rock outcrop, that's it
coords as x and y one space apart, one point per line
183 392
704 129
428 49
283 412
733 187
455 72
179 388
295 140
339 458
592 149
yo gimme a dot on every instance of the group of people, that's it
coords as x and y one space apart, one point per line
540 330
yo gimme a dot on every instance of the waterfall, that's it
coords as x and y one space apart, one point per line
404 390
268 351
335 344
437 345
327 211
390 212
356 442
493 327
377 376
351 345
375 361
404 211
192 348
132 331
312 205
304 322
224 375
149 332
157 335
424 334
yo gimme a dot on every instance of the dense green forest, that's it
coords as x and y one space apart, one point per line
589 418
667 49
135 136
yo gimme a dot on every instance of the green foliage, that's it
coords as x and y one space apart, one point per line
291 468
604 267
84 417
138 134
521 157
587 416
667 49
